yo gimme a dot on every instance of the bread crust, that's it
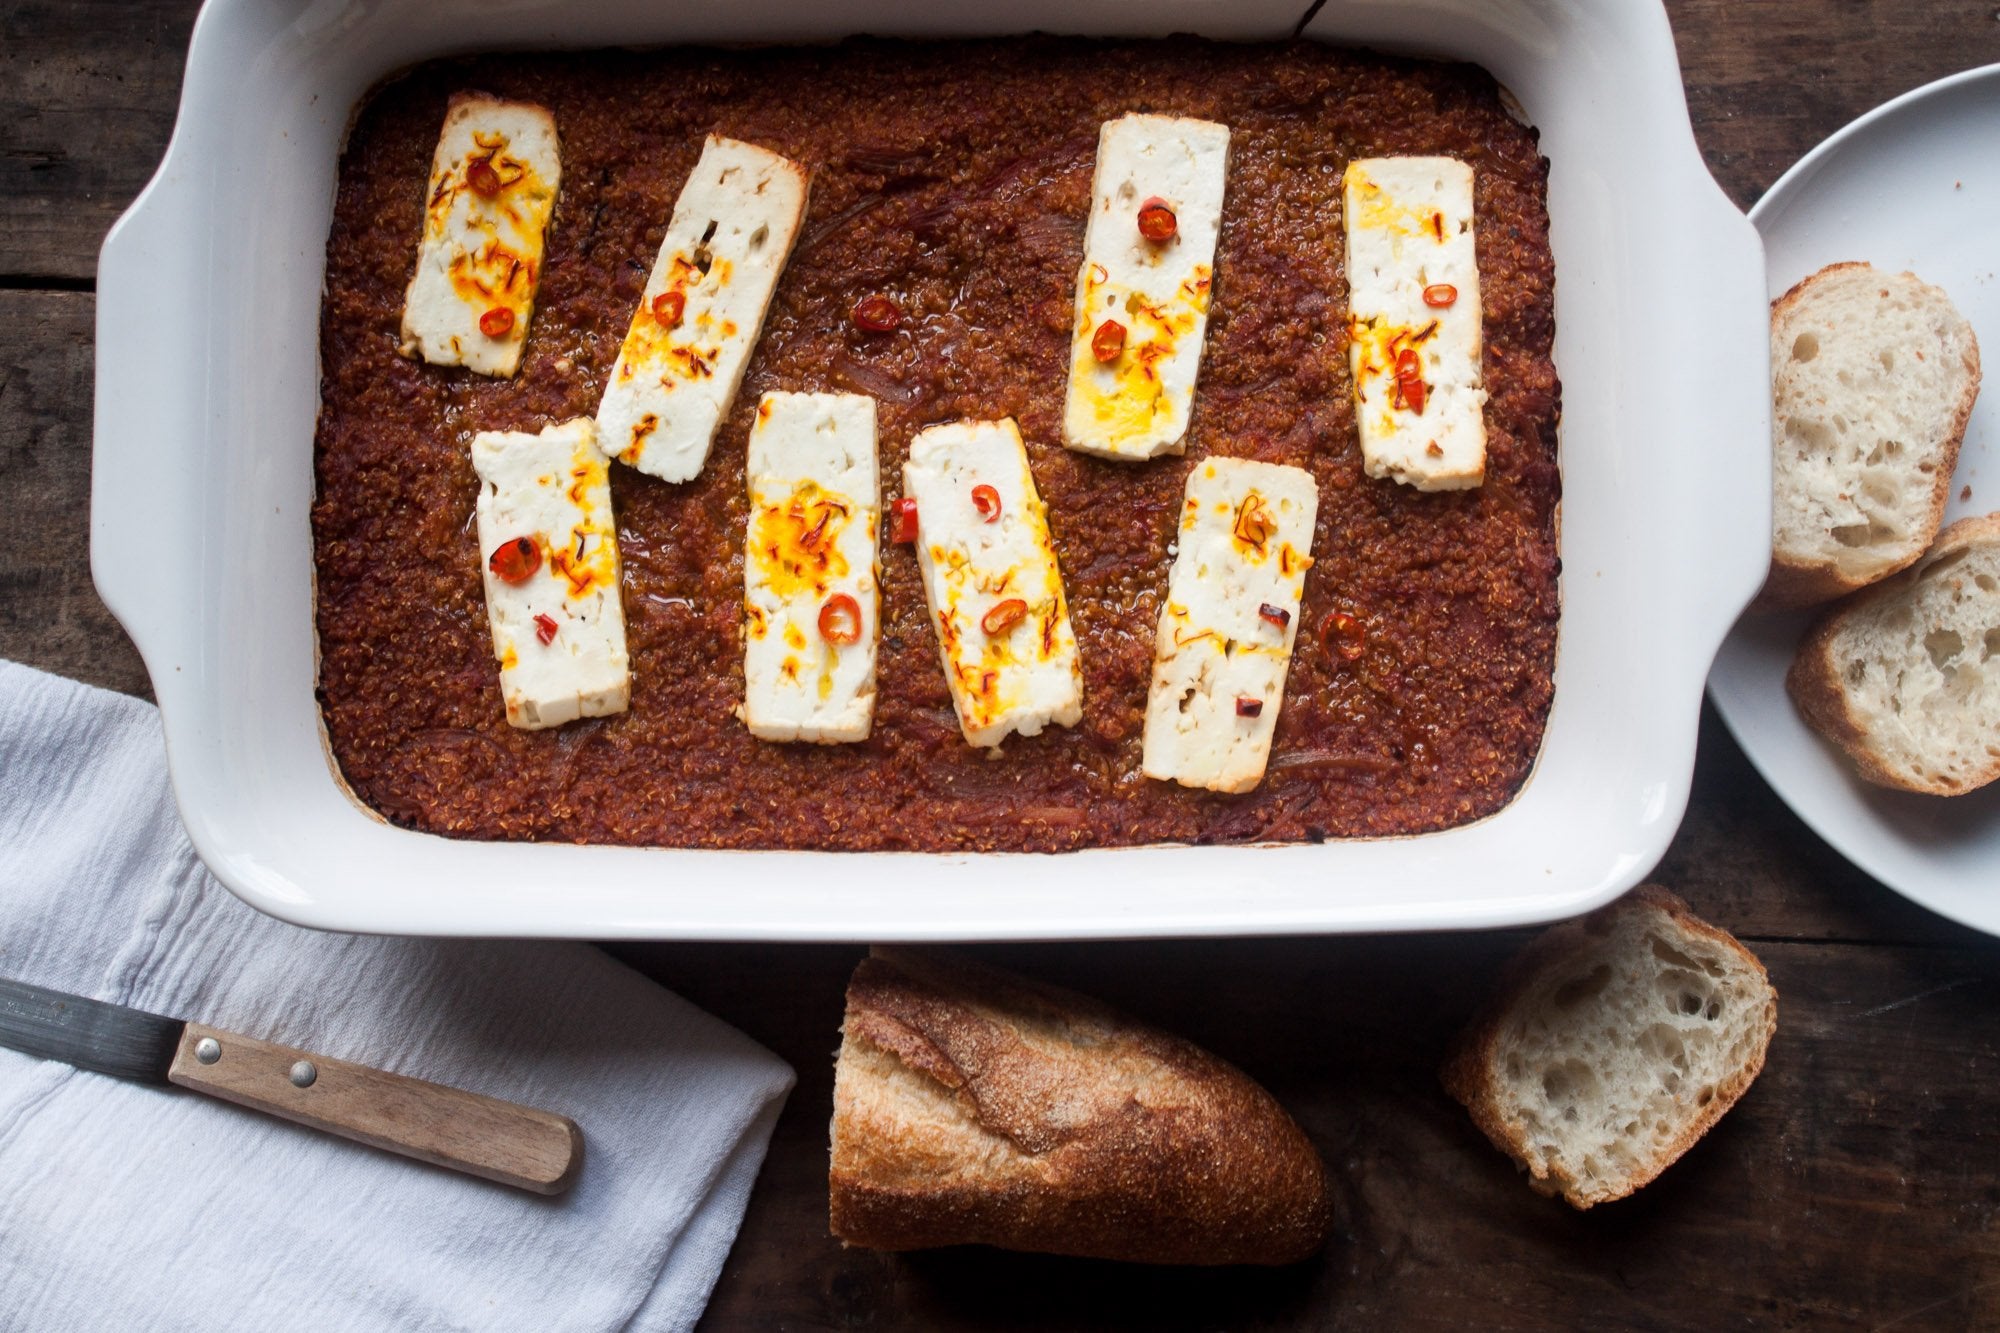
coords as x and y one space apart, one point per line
1469 1069
1028 1117
1792 582
1814 679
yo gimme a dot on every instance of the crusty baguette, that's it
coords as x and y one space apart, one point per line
1905 676
1873 376
1612 1043
971 1106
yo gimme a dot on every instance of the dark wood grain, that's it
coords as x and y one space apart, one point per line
1856 1186
87 96
50 615
1767 81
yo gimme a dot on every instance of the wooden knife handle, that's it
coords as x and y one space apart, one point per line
515 1145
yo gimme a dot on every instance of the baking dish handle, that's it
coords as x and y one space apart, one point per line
148 553
1728 420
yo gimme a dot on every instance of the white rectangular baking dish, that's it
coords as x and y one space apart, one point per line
207 386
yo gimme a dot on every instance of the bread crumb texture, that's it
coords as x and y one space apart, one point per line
1612 1044
1902 676
975 1107
1873 377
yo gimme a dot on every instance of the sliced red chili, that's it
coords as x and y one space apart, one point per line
1410 380
903 520
483 179
987 501
668 307
1004 616
1439 295
1248 707
1343 633
1277 615
1157 222
545 628
877 314
1108 343
497 322
840 619
514 561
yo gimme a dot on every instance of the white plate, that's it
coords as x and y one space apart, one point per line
1914 184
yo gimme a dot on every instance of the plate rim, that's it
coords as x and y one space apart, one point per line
1859 853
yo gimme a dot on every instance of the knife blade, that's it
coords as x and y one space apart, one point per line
466 1131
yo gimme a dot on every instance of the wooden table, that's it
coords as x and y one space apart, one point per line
1858 1183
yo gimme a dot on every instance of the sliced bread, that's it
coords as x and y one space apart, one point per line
1873 375
1612 1044
1904 676
971 1106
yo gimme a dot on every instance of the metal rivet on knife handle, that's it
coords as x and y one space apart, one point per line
208 1050
303 1074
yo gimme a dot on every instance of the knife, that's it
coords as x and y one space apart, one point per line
483 1136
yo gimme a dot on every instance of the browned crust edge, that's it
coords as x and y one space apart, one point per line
1468 1068
1794 584
1229 1178
1813 679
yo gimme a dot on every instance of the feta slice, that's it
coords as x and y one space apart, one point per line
493 185
1136 405
1023 675
814 511
1409 230
559 633
1245 544
703 308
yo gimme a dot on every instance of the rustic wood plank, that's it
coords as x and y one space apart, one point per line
1854 1185
88 90
50 614
1766 82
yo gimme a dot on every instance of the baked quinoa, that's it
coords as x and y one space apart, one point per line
953 178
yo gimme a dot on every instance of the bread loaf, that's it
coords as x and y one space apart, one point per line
1612 1044
971 1106
1873 376
1905 677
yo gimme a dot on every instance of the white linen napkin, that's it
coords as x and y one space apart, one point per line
133 1207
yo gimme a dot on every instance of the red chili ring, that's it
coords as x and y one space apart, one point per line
1157 222
515 561
483 179
1004 616
877 314
903 521
840 619
1108 343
